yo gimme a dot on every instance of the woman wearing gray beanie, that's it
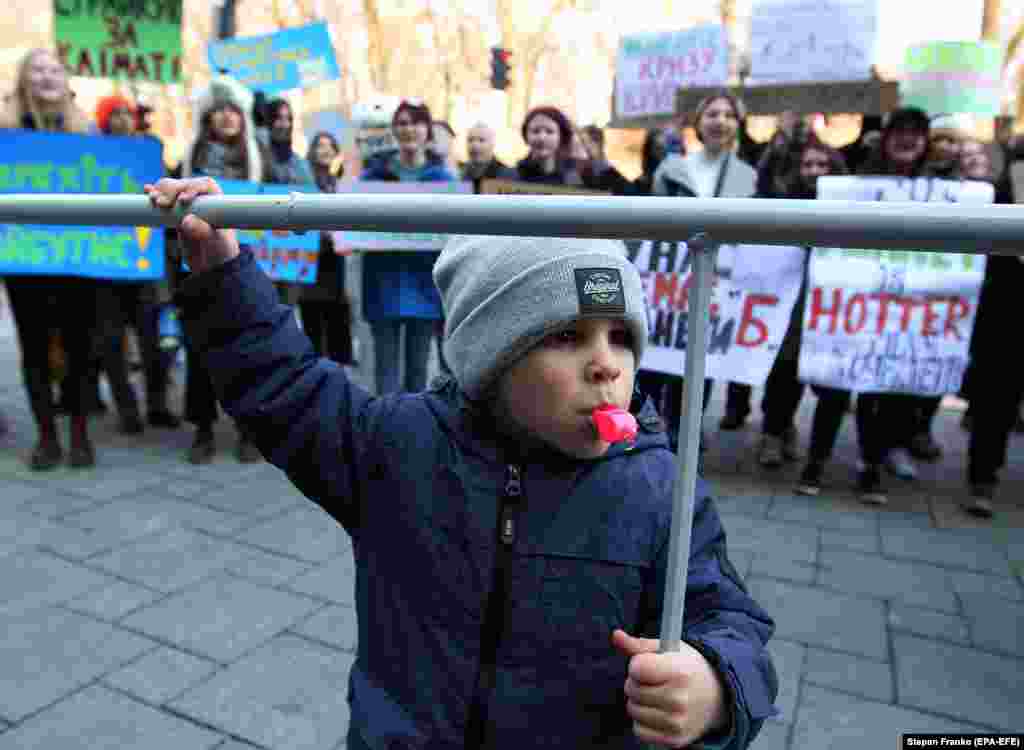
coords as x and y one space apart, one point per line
510 563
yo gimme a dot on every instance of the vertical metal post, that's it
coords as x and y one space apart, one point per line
702 252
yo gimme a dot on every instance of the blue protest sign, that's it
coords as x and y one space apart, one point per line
282 254
33 162
299 57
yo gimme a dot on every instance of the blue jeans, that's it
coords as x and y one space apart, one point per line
419 333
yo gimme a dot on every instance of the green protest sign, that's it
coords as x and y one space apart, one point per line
953 78
124 39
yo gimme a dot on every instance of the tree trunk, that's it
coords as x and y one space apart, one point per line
378 64
990 20
527 49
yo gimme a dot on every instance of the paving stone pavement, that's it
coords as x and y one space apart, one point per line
151 604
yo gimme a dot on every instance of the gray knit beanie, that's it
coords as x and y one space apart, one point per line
503 295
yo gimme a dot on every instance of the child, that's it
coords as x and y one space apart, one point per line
510 566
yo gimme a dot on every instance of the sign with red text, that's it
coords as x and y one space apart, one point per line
891 321
651 68
755 289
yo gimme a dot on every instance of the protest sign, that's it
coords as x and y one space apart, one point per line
300 57
896 321
41 162
122 40
801 41
754 292
516 187
954 77
346 241
282 254
651 67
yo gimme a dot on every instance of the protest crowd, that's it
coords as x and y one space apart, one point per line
246 138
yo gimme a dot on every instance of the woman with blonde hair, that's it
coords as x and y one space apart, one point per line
42 100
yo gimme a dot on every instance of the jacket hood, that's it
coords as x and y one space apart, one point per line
475 431
224 89
740 179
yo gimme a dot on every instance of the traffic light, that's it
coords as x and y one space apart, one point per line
224 18
500 68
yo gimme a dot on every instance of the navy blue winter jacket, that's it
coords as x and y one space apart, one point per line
488 582
400 284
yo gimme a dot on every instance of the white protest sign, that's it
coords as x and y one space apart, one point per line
897 321
808 41
346 241
651 68
755 289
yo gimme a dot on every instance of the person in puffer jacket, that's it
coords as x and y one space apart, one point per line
510 565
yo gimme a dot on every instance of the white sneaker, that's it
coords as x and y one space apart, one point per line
900 464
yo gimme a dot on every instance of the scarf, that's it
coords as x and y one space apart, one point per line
225 161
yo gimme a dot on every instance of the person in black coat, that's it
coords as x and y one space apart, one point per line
549 134
995 390
482 163
597 172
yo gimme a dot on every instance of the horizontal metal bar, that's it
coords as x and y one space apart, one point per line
952 227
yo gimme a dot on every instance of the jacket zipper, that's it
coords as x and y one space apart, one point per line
494 610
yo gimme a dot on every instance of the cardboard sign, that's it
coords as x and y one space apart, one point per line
954 77
43 162
516 187
124 40
296 58
800 41
346 241
282 254
755 289
650 68
895 321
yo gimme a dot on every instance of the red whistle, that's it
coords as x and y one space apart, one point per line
614 424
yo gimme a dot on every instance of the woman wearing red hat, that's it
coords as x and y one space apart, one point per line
122 304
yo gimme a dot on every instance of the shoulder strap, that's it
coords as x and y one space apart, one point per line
721 175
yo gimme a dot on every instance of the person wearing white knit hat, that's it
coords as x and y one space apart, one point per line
225 148
947 133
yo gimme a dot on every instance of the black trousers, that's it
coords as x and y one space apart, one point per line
996 393
122 305
39 305
904 415
200 398
783 389
329 327
832 407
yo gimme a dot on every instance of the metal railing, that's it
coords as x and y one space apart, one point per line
703 223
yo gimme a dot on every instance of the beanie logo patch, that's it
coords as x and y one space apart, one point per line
600 291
